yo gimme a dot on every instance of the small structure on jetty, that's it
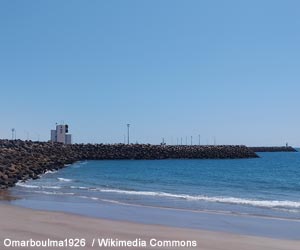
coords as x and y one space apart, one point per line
61 134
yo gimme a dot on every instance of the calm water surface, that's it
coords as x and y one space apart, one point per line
267 186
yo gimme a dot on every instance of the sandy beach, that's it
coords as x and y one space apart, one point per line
25 224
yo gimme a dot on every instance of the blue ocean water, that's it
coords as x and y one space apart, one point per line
265 186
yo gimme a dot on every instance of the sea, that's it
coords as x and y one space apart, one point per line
228 195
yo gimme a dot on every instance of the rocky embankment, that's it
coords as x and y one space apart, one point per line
273 149
22 160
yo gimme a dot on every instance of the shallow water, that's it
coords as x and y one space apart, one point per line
268 186
249 196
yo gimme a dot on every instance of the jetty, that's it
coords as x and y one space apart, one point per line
23 160
273 149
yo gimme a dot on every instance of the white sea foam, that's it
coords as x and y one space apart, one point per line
116 202
51 187
88 197
82 188
64 179
22 184
53 193
50 171
228 200
285 204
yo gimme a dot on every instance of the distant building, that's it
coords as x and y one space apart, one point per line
68 139
61 134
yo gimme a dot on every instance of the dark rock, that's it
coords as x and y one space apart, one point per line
273 149
22 160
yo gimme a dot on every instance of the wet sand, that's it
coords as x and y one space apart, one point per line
24 224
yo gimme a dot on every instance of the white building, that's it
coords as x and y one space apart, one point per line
61 134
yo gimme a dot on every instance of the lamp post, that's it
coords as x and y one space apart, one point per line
128 125
12 133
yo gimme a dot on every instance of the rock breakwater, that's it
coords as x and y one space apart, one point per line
22 160
273 149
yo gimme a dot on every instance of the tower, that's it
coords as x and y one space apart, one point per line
61 134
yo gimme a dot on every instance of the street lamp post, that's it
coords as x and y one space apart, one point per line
12 133
128 125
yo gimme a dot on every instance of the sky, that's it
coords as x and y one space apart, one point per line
225 70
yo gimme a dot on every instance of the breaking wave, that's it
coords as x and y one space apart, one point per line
22 184
64 179
273 204
227 200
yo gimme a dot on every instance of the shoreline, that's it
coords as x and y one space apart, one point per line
22 223
251 222
5 196
238 224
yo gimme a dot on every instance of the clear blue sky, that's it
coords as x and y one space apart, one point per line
172 69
